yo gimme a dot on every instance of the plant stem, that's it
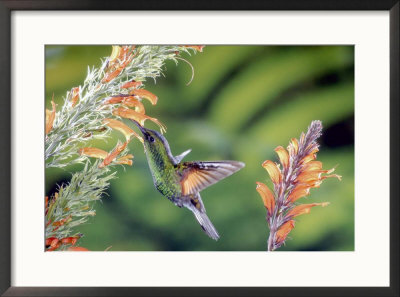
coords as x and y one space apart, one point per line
271 240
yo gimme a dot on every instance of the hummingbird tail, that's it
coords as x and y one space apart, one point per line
205 223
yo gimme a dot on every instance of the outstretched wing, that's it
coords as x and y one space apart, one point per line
197 175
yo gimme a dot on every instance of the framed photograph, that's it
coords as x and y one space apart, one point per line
158 152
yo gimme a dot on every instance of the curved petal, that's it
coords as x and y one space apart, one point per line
283 156
283 231
115 53
273 171
131 101
298 192
303 209
121 127
293 147
131 84
93 152
125 160
198 48
133 115
142 93
113 154
74 96
267 196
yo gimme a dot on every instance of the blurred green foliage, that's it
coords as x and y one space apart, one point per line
243 102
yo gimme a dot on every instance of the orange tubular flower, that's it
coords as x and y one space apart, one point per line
300 172
127 100
313 165
119 59
114 100
133 115
70 240
116 50
293 147
273 171
131 101
298 192
142 93
50 117
304 208
108 158
283 156
52 243
113 154
74 96
126 160
93 152
62 221
121 127
131 84
123 52
198 48
267 197
283 231
310 157
308 177
311 174
111 75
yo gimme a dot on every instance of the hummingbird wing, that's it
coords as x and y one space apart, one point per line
197 176
180 157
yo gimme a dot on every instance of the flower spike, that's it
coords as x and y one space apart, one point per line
293 180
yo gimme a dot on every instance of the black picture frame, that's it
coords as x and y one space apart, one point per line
7 7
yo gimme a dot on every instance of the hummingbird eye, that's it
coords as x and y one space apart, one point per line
151 138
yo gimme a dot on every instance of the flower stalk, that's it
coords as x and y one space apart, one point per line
292 179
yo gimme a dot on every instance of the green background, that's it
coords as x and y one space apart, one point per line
243 102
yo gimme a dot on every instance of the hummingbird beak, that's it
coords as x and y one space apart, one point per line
142 129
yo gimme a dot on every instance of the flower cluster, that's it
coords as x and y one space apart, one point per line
119 59
114 155
114 90
73 204
299 173
53 243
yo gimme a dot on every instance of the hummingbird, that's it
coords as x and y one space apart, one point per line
181 182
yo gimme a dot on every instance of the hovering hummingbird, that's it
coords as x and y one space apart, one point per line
181 182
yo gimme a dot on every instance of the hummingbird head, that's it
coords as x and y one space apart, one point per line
153 141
